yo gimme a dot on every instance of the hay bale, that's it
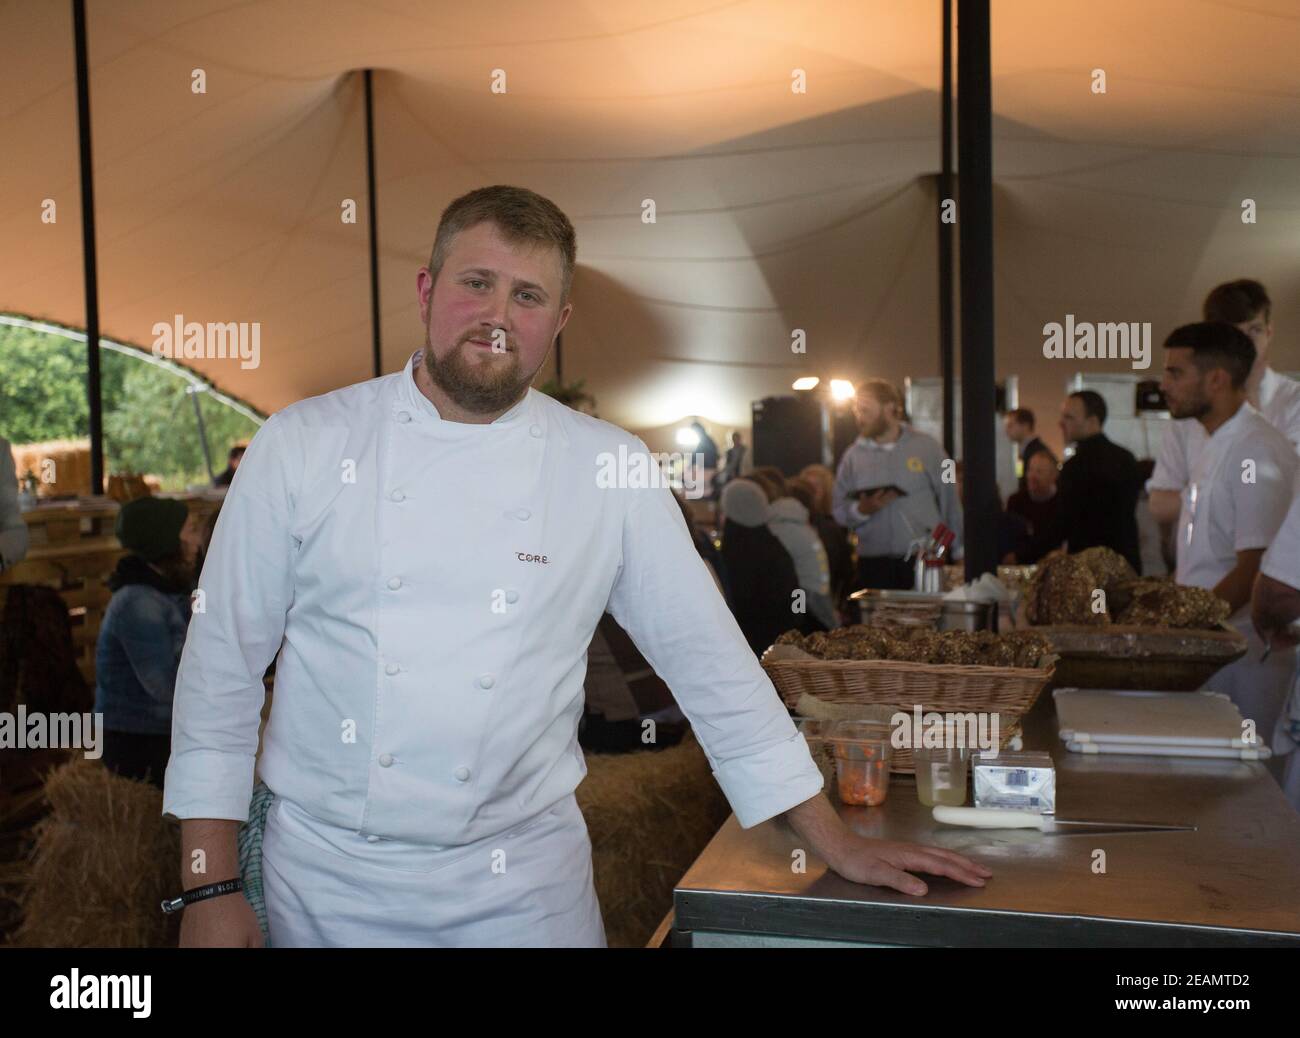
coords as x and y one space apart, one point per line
650 814
104 859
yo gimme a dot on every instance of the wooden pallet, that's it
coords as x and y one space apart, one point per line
60 524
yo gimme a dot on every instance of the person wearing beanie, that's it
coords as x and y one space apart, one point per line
142 634
760 576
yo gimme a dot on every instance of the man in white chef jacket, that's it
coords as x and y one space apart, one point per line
1275 607
1244 303
429 553
1237 495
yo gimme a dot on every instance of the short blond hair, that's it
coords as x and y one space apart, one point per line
522 216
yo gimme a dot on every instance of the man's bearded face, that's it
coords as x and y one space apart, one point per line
1184 384
490 318
873 416
474 376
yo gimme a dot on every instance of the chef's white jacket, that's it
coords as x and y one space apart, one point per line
431 588
1184 439
1224 512
1229 506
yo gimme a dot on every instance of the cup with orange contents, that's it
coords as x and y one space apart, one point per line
863 752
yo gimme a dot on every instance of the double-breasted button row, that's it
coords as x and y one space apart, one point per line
387 760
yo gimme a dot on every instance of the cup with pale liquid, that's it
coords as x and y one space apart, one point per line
941 775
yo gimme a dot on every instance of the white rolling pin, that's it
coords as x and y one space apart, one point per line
990 817
999 818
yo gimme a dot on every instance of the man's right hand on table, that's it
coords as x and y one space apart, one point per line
880 863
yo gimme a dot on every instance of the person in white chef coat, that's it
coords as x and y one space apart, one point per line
428 553
1244 303
1275 610
1237 495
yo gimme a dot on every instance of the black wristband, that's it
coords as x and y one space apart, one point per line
226 886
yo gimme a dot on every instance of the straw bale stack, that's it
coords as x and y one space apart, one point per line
650 815
104 860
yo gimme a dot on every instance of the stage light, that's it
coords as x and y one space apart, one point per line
842 389
807 382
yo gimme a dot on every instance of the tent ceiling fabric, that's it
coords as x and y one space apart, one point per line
775 210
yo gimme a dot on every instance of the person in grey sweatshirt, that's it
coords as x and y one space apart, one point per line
890 453
789 522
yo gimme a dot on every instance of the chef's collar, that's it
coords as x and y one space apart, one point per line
1230 426
904 429
1268 385
418 407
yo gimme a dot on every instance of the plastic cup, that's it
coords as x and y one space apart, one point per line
941 775
862 754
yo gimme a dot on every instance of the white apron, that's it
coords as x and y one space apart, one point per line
327 887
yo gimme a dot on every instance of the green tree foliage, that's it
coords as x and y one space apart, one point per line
149 422
42 387
153 428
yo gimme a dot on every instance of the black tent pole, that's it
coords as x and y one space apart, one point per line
93 390
975 190
193 393
378 360
945 241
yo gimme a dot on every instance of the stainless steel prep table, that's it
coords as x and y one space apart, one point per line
1233 882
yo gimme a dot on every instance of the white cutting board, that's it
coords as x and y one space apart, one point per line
1163 723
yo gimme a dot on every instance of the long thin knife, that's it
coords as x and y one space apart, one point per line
997 818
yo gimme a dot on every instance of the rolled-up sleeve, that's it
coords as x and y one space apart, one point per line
1171 461
664 598
245 591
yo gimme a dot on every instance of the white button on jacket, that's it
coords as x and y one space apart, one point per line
300 563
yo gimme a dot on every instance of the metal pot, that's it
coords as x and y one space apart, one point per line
942 614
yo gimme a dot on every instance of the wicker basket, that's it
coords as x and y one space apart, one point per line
935 687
